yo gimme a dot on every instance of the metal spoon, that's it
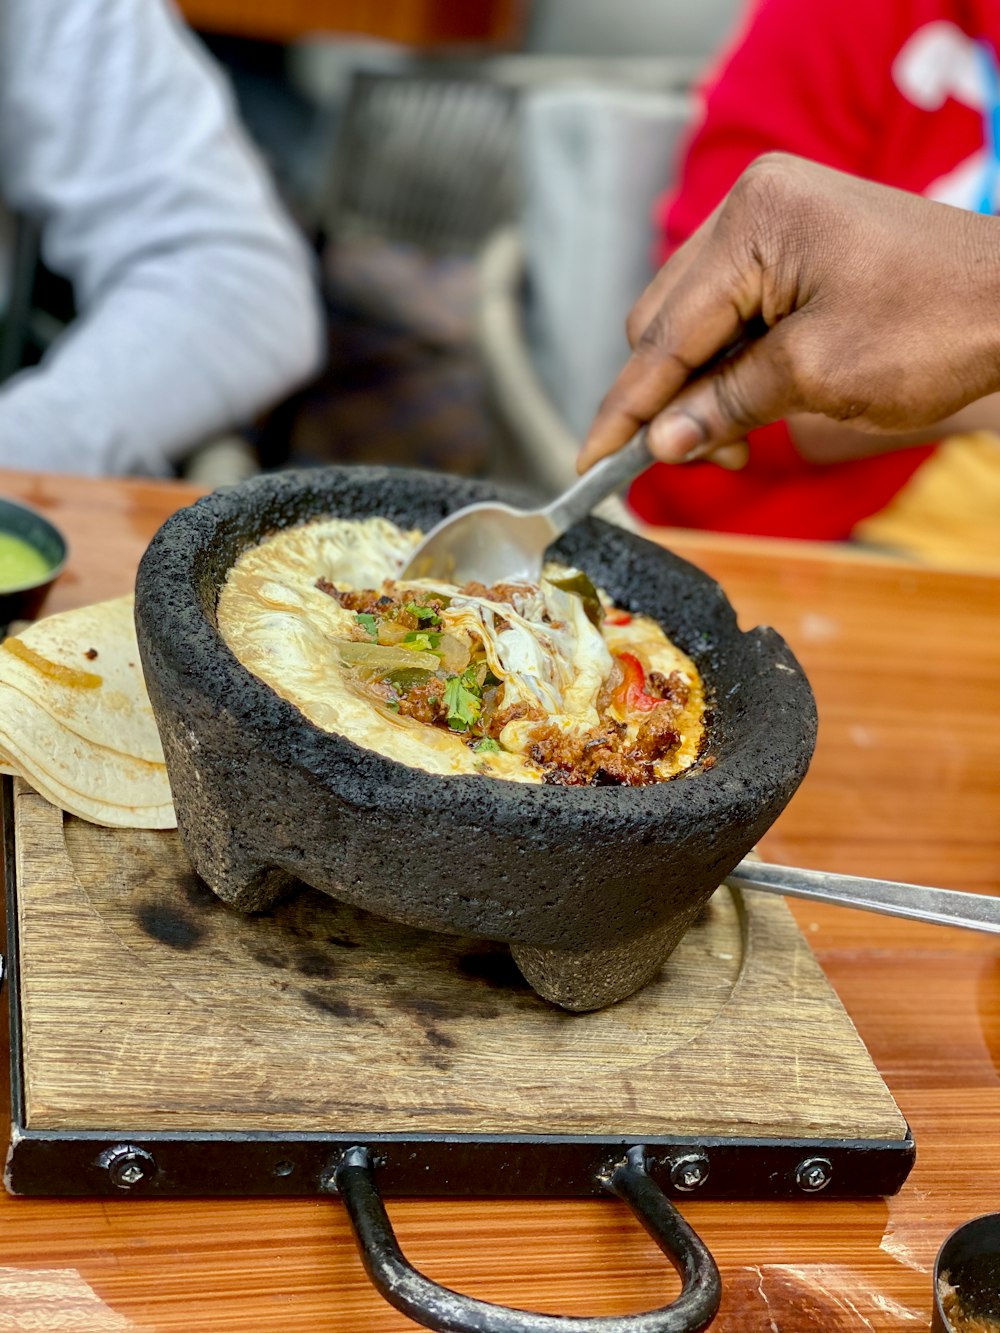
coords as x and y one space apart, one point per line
940 907
494 543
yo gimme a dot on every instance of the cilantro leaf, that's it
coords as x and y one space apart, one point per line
463 706
367 622
489 744
470 679
423 613
421 640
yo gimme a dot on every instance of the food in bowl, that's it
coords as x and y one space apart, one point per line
547 683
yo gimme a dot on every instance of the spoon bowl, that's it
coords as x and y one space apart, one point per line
495 543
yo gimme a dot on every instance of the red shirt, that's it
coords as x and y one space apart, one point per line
892 90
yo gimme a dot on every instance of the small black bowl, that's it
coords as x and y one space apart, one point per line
970 1260
25 602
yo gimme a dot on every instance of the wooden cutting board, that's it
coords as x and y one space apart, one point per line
147 1005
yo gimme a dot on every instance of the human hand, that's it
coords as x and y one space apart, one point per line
809 291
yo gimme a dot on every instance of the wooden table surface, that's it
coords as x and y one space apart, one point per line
906 784
426 23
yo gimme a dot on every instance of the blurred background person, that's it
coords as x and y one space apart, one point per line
479 186
905 93
195 299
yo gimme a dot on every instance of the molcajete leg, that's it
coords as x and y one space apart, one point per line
239 880
215 847
592 978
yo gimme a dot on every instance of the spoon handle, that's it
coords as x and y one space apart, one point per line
603 479
941 907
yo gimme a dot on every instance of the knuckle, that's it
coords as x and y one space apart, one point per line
774 165
657 344
634 326
772 205
653 335
766 179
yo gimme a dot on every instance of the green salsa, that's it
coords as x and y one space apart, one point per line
20 564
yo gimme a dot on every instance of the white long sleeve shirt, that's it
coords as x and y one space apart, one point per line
197 306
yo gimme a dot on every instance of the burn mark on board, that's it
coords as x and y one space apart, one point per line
327 1004
428 1013
313 963
169 925
269 958
436 1037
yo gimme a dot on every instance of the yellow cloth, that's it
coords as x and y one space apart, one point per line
948 513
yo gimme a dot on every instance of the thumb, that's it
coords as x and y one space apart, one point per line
752 387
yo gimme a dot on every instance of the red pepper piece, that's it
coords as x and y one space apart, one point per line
618 618
631 696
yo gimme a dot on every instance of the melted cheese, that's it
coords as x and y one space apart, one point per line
286 631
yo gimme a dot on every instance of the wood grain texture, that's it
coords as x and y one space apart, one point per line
906 783
412 22
249 1022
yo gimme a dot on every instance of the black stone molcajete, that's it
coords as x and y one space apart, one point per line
592 887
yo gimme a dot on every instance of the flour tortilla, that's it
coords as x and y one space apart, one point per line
96 812
76 722
116 714
70 761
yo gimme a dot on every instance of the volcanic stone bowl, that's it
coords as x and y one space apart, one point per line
592 887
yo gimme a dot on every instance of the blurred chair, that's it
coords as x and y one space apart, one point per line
555 290
432 156
423 164
423 157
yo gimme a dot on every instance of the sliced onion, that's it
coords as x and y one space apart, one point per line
376 659
454 654
391 632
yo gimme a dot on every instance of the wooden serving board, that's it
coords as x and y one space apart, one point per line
145 1006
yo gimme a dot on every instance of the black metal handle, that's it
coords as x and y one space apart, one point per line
447 1311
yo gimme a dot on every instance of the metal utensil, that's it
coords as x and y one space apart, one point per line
494 543
917 902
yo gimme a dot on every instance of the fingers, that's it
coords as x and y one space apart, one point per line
751 388
661 288
703 307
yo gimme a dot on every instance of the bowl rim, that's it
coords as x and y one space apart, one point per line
290 737
54 570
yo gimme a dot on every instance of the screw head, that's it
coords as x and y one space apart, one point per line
128 1166
813 1174
689 1172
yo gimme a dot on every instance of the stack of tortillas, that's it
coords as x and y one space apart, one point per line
76 722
